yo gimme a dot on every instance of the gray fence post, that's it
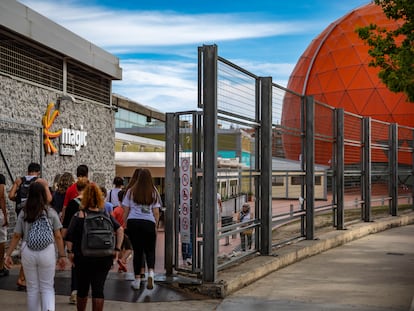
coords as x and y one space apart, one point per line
366 168
169 192
339 168
309 166
209 164
266 166
393 159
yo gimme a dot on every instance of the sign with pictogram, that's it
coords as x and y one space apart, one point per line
185 200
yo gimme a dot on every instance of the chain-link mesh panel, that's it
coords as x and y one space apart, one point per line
236 91
405 166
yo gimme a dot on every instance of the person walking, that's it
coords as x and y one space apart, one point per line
243 217
18 193
82 172
72 208
132 182
64 182
126 249
3 226
38 247
112 195
91 271
141 213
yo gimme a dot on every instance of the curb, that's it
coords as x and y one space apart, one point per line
237 277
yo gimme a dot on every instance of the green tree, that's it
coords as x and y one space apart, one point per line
393 50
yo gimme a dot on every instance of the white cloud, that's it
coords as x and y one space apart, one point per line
164 84
122 29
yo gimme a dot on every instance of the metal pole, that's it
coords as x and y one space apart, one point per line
169 192
309 169
339 168
266 166
366 190
394 169
210 166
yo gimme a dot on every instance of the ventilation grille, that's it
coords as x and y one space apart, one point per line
25 60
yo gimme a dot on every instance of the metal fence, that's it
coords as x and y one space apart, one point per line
296 162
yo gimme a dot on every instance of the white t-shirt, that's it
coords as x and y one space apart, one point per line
112 196
139 211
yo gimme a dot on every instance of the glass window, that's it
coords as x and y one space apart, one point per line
278 181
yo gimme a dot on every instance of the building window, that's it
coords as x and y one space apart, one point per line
318 180
296 180
278 181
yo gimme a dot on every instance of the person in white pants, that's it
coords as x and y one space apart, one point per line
39 264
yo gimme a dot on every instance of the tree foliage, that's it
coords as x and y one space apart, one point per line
393 50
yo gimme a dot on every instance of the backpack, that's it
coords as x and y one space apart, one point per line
98 238
23 192
40 234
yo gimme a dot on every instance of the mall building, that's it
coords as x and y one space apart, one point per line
56 104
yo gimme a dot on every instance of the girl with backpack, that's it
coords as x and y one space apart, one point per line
91 270
39 228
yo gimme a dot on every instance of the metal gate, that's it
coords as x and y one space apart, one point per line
20 144
222 165
183 143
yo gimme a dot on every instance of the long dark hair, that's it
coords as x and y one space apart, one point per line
36 202
143 190
133 179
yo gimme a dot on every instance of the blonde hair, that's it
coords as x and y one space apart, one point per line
65 180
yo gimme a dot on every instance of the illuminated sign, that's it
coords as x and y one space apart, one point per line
48 135
71 140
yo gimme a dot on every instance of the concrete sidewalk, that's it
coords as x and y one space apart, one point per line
238 276
230 280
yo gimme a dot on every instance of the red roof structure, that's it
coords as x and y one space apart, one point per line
334 69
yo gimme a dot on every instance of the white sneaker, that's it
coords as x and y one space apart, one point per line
150 280
188 261
136 284
73 297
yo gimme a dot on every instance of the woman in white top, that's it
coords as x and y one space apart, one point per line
141 214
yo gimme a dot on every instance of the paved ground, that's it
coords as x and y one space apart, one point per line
370 272
375 272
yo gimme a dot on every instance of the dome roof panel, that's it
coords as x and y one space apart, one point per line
335 83
361 80
340 75
325 63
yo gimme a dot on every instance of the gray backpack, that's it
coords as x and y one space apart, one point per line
98 238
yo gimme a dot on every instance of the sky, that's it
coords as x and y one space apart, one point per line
156 41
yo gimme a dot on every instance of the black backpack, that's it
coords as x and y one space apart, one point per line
23 192
98 238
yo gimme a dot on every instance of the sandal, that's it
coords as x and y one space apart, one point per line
21 285
121 266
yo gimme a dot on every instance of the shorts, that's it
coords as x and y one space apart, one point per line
3 230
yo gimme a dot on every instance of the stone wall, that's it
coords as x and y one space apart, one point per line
22 106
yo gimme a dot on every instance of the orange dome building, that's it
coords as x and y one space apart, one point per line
334 69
